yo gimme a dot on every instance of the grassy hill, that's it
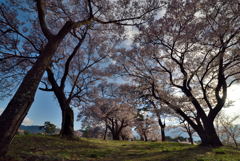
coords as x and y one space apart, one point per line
52 148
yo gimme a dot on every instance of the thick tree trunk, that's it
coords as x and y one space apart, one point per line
116 129
18 107
115 134
141 138
210 140
123 137
116 137
209 136
190 137
207 133
162 127
163 133
67 129
105 133
145 137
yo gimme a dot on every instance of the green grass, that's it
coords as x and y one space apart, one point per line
52 148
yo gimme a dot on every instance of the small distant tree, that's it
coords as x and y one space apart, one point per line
93 132
49 128
111 109
161 111
26 132
186 127
146 127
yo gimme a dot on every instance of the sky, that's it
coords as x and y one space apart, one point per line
233 95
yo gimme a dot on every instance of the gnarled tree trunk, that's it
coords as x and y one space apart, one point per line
209 136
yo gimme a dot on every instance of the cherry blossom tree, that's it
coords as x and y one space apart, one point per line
186 128
111 109
56 19
187 59
160 111
72 79
146 127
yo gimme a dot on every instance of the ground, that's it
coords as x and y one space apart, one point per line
52 148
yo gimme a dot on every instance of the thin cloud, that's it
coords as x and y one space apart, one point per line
27 121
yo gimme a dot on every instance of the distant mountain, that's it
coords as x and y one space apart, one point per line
32 129
35 129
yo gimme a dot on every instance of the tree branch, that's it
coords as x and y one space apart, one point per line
66 69
41 16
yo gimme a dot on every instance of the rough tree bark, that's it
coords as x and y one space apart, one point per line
205 130
209 136
67 129
21 102
18 107
203 124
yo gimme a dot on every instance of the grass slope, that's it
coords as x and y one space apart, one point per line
52 148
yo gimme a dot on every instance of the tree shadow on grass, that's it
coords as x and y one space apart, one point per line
161 154
48 148
189 154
